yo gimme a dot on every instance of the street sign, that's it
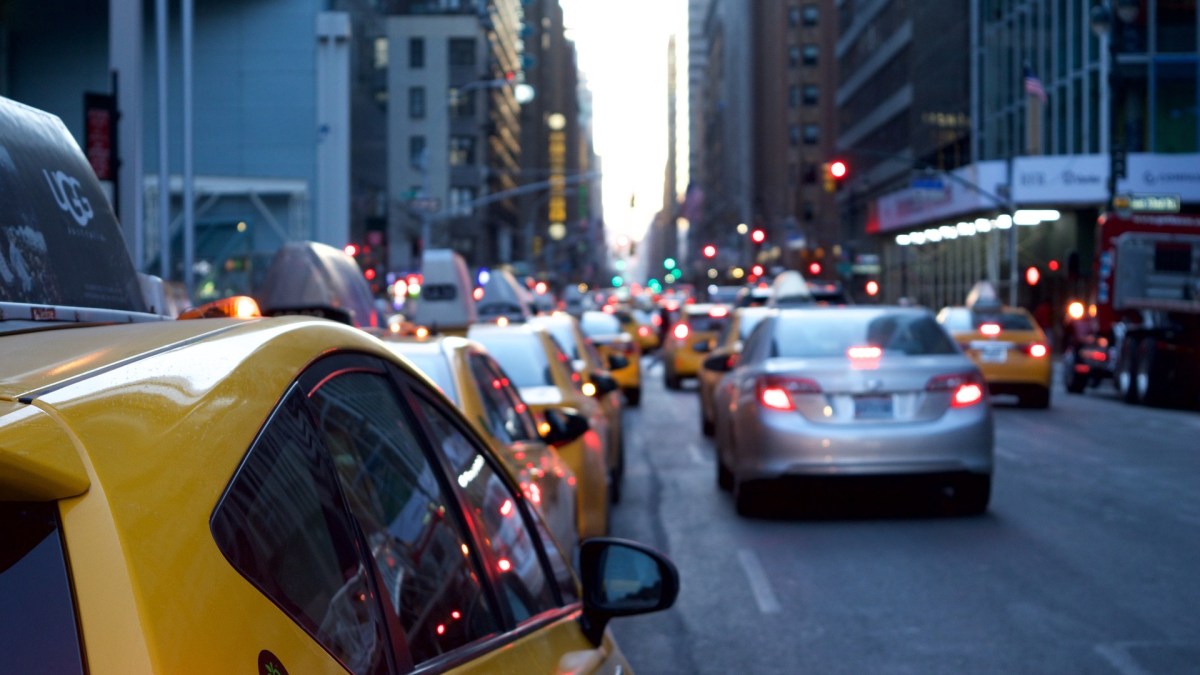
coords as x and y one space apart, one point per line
932 183
1147 203
427 204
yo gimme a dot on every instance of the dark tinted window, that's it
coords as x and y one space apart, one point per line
831 333
417 543
283 525
39 633
512 549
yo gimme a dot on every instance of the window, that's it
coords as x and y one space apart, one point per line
811 94
282 525
793 16
416 152
811 54
461 200
794 56
794 96
794 134
462 150
812 134
462 103
416 102
33 574
508 418
462 52
810 173
500 516
811 14
419 547
380 53
416 52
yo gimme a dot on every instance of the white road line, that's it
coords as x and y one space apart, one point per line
1117 655
759 585
698 455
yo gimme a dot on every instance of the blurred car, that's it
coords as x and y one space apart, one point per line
727 345
544 377
612 340
753 296
472 379
826 391
597 383
314 279
271 495
690 339
1009 347
644 327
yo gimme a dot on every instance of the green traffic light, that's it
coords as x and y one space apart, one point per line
669 264
617 281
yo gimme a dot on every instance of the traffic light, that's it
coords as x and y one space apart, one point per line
814 268
710 251
758 236
669 264
872 288
1032 276
835 172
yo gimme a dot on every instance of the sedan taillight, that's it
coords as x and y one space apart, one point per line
681 331
776 391
965 388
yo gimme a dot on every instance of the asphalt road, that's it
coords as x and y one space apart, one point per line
1088 560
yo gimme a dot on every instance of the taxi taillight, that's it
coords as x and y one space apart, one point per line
680 332
1037 350
234 307
990 329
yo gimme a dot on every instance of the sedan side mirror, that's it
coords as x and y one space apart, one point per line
617 361
565 425
622 578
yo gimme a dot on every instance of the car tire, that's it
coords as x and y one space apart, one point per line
1150 380
973 493
633 397
1127 371
670 379
724 475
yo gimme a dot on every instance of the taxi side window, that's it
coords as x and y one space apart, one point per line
282 525
503 420
503 523
418 545
524 414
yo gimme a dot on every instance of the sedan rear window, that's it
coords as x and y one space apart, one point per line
36 609
831 333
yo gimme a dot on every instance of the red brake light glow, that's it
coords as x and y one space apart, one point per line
869 352
967 394
776 398
990 329
1038 350
680 332
643 331
775 392
965 388
718 312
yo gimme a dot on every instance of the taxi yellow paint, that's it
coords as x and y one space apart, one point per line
1010 348
690 339
611 339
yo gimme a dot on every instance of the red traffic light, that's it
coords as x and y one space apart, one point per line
838 169
757 270
814 268
872 288
1032 276
710 251
351 249
758 236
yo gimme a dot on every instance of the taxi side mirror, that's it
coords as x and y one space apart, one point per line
563 425
720 363
622 578
617 361
604 383
704 347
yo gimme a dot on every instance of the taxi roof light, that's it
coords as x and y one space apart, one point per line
233 307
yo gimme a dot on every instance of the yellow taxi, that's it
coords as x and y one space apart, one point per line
620 352
268 495
470 377
642 325
690 339
1007 344
726 346
586 361
544 377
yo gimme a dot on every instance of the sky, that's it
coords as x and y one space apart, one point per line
622 51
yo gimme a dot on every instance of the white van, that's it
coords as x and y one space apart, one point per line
445 304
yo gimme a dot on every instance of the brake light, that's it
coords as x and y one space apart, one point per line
680 332
643 331
718 312
869 352
965 388
775 392
990 329
1037 350
656 320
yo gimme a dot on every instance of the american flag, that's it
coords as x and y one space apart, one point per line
1033 86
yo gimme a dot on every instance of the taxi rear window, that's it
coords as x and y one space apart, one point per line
40 634
705 322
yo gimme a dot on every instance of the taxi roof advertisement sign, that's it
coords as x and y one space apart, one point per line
60 243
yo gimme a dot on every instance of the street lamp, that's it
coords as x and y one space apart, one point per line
1108 18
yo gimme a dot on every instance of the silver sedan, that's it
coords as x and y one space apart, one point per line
839 391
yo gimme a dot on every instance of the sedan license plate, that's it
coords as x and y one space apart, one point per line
992 352
873 407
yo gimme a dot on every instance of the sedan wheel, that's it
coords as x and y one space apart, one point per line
973 493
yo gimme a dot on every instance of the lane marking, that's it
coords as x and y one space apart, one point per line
698 456
1118 656
759 585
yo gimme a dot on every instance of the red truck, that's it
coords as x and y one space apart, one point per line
1141 327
